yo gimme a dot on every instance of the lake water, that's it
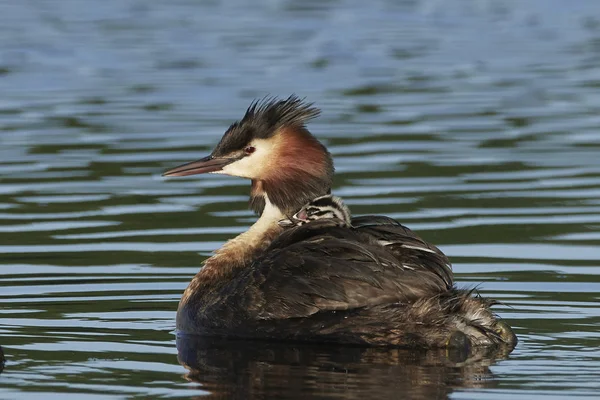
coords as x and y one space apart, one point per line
476 123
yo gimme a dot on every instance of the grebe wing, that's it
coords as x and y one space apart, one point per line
319 267
405 244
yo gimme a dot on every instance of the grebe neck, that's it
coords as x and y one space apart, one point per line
240 251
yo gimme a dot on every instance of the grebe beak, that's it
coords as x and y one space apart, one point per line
202 166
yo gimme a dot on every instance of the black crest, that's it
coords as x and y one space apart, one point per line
273 113
262 120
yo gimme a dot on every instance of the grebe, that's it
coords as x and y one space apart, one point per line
372 283
322 207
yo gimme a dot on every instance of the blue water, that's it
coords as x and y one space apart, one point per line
476 123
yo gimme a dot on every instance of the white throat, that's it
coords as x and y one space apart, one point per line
269 218
239 249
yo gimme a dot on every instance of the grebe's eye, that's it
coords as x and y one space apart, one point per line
249 149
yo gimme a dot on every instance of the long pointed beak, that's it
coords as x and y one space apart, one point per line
202 166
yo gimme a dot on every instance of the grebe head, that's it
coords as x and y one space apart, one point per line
323 207
271 146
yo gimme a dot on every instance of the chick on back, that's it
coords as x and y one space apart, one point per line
322 207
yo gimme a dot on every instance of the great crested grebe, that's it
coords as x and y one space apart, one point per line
374 282
322 207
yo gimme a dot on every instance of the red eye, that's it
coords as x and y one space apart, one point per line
249 149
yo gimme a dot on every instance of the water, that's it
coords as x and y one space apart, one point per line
473 122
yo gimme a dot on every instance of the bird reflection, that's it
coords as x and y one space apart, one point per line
2 359
230 369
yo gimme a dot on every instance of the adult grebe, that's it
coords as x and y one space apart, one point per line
373 283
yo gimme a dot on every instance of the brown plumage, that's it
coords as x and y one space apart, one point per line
374 282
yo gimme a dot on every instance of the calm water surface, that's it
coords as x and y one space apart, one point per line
476 123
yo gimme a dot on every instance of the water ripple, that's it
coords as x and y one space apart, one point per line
473 123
